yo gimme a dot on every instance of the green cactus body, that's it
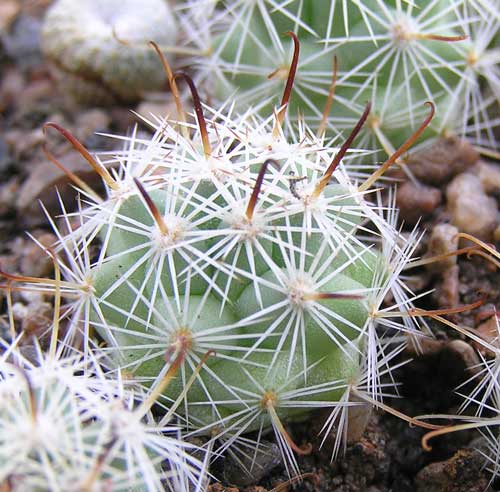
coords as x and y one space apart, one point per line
396 54
289 310
264 376
136 245
351 314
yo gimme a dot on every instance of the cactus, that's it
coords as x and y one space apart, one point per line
241 274
65 426
100 52
395 54
244 263
244 266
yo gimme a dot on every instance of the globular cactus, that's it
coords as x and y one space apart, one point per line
65 426
395 54
246 268
100 52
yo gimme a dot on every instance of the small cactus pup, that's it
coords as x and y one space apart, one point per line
105 437
99 50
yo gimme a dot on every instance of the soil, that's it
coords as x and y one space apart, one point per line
389 456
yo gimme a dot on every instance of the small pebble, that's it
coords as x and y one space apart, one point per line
466 353
34 261
88 123
19 310
424 346
24 143
43 178
22 43
471 209
32 297
415 201
490 331
447 288
461 473
39 320
446 158
489 174
443 240
35 103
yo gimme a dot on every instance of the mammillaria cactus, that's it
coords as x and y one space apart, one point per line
65 426
238 273
395 54
250 265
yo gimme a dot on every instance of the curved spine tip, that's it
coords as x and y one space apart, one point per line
280 116
340 154
202 124
77 145
173 88
396 155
